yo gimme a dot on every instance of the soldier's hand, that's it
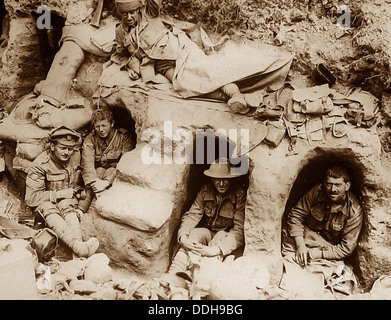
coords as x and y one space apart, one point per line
184 241
302 256
65 193
133 75
189 244
208 251
99 185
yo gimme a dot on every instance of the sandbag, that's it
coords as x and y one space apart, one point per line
241 279
22 164
97 268
9 131
30 148
61 73
49 117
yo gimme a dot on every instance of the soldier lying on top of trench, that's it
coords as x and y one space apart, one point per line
154 51
146 45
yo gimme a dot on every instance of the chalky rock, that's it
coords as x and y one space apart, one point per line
83 286
72 269
242 279
136 237
17 263
137 218
98 269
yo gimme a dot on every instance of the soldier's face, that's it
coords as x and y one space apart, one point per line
103 128
222 185
130 18
61 152
336 188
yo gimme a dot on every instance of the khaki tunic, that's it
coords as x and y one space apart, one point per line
99 153
46 176
227 215
340 229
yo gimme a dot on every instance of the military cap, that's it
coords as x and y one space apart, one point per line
128 5
221 169
65 136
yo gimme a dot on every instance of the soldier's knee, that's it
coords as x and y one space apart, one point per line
67 205
220 235
47 208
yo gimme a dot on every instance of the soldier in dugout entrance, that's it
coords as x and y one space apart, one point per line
323 228
213 226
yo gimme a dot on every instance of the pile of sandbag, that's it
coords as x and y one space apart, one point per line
26 151
32 119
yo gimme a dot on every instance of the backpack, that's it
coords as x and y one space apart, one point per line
362 108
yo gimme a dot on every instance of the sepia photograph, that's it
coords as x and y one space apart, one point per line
218 152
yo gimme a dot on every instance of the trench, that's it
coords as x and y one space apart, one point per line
308 175
312 173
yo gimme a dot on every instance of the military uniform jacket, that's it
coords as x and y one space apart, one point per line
46 176
151 39
341 228
98 152
226 214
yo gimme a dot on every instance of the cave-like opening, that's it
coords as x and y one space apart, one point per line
213 146
312 173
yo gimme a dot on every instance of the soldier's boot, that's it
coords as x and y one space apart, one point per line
236 102
66 234
216 95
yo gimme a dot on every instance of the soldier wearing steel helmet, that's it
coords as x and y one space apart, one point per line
53 186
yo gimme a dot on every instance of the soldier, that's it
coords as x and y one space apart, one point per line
102 150
53 186
332 212
322 230
143 41
213 226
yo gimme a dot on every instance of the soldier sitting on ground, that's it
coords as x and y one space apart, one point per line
102 150
53 186
213 226
323 227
